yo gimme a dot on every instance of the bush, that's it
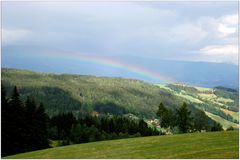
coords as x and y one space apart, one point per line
123 135
53 133
137 134
230 128
64 142
216 127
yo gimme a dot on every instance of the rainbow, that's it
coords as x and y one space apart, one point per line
113 63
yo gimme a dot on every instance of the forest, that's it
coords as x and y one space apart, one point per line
81 95
27 127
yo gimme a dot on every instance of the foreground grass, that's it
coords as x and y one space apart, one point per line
194 145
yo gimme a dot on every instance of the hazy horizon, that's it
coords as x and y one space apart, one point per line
151 41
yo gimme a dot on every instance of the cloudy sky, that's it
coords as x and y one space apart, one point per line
183 31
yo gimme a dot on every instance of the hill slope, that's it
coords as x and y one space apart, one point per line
105 95
195 145
220 104
80 94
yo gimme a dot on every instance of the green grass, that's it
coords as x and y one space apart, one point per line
194 145
222 121
224 100
203 89
235 115
164 87
216 99
190 98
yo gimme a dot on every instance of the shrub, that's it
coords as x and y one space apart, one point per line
230 128
216 127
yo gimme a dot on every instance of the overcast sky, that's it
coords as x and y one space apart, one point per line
185 31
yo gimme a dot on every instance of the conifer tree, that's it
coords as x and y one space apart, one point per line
41 124
165 116
23 126
200 121
6 119
17 123
183 118
30 114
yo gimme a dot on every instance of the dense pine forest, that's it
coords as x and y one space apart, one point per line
79 94
27 127
24 124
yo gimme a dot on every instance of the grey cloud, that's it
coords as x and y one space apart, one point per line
113 28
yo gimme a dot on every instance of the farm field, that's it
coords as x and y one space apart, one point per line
192 145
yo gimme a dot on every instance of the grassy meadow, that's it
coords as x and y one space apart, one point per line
192 145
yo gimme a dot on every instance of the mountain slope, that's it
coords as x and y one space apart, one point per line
195 145
67 93
81 94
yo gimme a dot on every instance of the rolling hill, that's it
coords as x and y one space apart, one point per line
102 95
216 145
220 104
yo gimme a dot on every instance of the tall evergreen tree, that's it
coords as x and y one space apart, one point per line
36 126
183 118
168 119
41 127
19 122
30 114
23 129
161 111
143 128
165 116
200 121
15 99
64 123
3 97
6 121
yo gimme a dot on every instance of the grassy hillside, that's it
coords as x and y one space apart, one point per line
195 145
63 93
220 104
225 123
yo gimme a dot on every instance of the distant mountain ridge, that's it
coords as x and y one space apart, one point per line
204 74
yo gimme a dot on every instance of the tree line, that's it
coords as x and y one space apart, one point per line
24 124
91 128
27 127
